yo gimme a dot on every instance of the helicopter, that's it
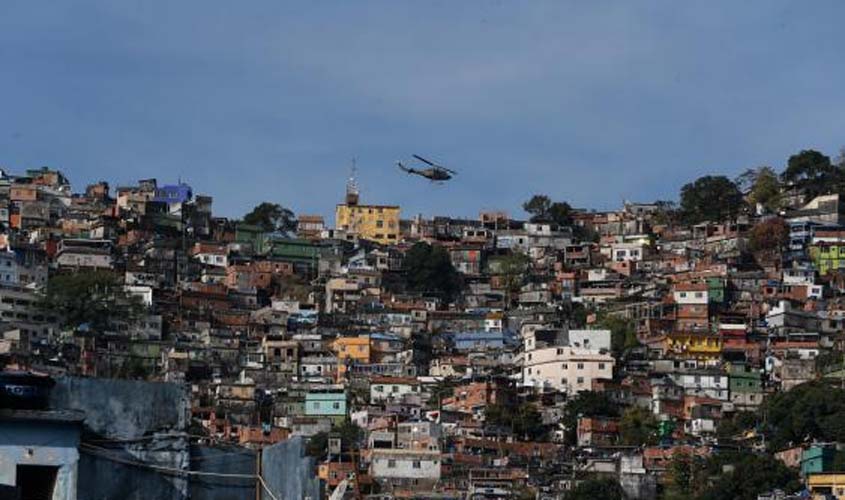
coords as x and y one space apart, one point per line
434 173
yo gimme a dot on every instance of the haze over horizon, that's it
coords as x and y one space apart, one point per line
267 101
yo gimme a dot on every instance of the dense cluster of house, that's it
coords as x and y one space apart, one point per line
311 332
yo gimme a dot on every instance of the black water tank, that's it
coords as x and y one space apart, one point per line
24 390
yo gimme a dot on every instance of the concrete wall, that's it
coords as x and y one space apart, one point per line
123 409
39 443
228 460
103 478
133 421
289 473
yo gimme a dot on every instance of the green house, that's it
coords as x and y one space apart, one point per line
248 234
828 257
744 379
817 459
716 290
325 404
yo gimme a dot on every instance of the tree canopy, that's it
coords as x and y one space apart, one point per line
524 421
623 333
429 269
350 439
638 427
713 198
586 404
591 489
770 235
763 187
743 476
814 410
513 269
271 217
736 475
93 298
812 172
543 209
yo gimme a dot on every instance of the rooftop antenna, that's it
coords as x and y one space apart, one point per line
352 185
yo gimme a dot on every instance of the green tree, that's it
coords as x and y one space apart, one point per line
623 333
560 212
638 427
513 268
667 212
92 298
592 489
680 476
828 360
737 424
271 217
811 172
350 439
429 269
713 198
133 367
765 189
743 476
586 404
538 206
542 209
814 410
524 421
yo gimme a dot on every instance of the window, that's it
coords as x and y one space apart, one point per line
601 366
391 464
336 405
580 366
417 464
565 366
580 380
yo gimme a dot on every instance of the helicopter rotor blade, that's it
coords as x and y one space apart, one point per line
420 158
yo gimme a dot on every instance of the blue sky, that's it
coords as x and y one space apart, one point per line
589 102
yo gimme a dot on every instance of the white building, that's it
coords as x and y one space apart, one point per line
627 252
392 388
566 369
703 384
409 468
590 339
690 294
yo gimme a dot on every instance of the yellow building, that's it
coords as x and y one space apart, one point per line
378 223
692 345
354 349
826 484
371 222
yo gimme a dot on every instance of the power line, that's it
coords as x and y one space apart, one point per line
107 454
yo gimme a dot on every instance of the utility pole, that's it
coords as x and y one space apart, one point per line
258 485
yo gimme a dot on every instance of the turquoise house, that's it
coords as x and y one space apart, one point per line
817 459
325 404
